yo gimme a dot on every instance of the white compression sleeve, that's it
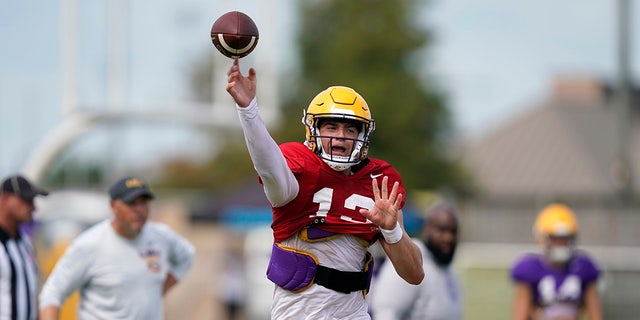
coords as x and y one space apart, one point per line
280 185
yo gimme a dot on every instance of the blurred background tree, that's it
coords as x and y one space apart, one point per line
378 48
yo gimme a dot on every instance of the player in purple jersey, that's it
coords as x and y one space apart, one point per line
560 283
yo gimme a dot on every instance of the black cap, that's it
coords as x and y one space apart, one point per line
22 188
129 188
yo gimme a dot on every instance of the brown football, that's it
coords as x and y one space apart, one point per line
234 34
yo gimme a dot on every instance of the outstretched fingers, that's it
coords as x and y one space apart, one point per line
387 203
233 75
398 201
394 191
252 75
234 67
384 192
376 190
385 189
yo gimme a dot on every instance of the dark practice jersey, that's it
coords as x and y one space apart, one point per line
331 199
550 285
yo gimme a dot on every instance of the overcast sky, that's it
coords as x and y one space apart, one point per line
499 57
496 58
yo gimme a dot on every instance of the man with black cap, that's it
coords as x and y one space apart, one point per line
122 266
18 270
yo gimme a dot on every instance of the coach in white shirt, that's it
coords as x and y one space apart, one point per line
122 266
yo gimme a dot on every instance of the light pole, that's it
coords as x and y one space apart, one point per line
624 172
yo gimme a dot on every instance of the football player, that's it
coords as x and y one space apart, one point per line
330 202
560 283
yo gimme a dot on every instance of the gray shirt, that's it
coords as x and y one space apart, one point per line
438 297
118 278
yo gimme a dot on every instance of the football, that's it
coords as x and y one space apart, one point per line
234 34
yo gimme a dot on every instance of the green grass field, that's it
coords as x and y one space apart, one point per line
487 293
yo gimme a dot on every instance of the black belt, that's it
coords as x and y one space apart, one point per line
342 281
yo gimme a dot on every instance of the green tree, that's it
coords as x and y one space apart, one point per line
378 47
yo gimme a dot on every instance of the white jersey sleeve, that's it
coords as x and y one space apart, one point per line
280 185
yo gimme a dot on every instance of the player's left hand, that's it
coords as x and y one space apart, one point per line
385 211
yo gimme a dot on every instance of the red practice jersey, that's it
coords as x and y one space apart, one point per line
330 196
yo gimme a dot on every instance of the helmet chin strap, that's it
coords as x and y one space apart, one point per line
338 166
339 163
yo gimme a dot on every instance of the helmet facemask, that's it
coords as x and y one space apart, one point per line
359 147
559 252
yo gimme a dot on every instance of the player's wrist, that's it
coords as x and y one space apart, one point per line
250 111
392 236
251 104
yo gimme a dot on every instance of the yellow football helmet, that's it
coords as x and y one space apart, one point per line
556 220
344 103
